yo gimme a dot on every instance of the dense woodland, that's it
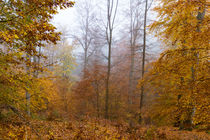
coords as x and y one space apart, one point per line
137 71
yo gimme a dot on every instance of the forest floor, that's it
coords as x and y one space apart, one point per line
92 130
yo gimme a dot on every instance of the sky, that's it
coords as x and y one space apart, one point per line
67 18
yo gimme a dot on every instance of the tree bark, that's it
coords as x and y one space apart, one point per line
143 61
132 55
28 96
200 18
109 30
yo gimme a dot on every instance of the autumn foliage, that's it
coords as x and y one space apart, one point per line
183 93
25 30
47 93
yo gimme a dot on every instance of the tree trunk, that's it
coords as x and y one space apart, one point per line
85 64
200 18
143 62
131 76
97 98
107 82
111 14
132 55
27 93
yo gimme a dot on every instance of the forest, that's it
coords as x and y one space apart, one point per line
118 70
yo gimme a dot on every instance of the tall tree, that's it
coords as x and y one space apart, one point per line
143 58
111 16
84 33
135 31
24 27
183 64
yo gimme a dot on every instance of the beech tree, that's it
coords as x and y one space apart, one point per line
183 27
135 31
24 27
111 15
84 35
